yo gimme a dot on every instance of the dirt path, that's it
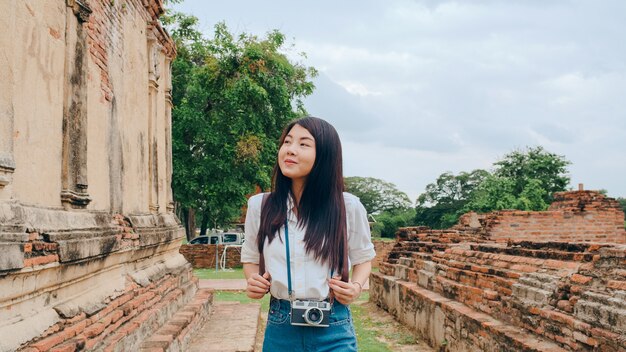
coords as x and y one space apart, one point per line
388 330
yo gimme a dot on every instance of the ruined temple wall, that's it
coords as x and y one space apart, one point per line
125 104
557 225
33 49
88 236
579 216
203 256
382 251
473 288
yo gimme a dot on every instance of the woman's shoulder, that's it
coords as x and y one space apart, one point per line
351 201
255 201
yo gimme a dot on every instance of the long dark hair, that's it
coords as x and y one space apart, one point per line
321 208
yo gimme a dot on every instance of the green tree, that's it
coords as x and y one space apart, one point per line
377 195
524 180
388 222
232 96
441 204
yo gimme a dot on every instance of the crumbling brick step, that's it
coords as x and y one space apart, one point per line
176 334
459 324
231 327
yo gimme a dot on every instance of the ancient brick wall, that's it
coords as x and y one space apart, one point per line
382 249
203 255
461 290
581 216
88 236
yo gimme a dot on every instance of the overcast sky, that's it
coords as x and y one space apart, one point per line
418 88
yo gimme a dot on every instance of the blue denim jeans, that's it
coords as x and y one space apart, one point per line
280 335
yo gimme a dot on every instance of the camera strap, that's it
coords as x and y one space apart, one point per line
292 294
344 267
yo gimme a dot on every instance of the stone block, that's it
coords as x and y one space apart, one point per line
530 293
81 248
12 256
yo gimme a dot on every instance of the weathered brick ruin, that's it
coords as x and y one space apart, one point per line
382 249
514 281
88 238
203 255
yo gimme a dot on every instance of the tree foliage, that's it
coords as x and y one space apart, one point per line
442 202
377 195
522 179
387 223
232 96
622 202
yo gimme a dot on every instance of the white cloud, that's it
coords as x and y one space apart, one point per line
417 88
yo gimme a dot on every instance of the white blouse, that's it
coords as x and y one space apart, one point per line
309 278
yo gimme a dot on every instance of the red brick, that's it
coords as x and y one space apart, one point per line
49 342
616 284
66 347
580 279
75 329
565 305
587 340
94 330
41 260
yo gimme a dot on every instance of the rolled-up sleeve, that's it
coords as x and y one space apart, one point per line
250 250
360 247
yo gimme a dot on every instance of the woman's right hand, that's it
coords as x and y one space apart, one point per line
258 285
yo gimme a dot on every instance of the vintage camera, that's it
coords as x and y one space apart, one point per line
310 313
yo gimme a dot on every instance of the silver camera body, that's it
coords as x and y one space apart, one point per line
310 313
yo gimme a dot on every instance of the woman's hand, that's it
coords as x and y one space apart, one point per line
344 292
258 285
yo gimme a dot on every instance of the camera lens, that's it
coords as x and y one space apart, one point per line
313 316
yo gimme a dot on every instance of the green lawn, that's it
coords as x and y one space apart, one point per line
384 239
240 296
236 273
365 334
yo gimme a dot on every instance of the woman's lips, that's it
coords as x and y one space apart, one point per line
290 162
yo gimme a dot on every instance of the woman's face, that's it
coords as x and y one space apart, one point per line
296 155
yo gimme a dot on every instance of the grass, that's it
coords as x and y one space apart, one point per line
236 273
240 296
365 329
375 334
384 239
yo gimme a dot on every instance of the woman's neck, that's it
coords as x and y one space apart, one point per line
297 186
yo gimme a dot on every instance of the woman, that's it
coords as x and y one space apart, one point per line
308 219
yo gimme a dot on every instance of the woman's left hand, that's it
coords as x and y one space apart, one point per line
344 292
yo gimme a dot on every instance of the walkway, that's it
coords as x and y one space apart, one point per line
232 328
